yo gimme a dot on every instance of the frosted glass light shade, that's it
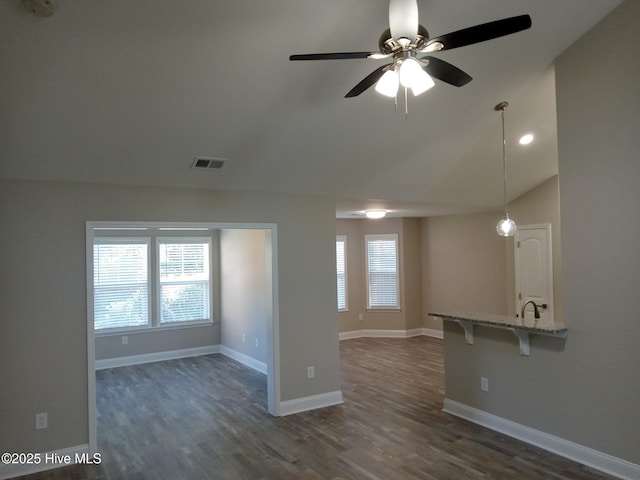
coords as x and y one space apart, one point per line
388 84
506 227
424 83
414 77
410 72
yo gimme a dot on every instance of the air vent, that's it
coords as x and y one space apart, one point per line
207 163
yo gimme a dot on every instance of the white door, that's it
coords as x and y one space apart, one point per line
534 273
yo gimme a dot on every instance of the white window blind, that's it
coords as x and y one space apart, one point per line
121 283
341 269
184 279
382 271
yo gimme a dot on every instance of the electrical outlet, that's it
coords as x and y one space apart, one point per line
311 372
484 384
243 337
125 339
42 421
360 316
256 342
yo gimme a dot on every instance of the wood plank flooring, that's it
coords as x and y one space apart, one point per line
205 418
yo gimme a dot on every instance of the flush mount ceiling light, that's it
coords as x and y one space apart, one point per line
375 213
408 45
506 226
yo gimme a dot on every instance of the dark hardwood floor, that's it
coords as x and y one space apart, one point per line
205 418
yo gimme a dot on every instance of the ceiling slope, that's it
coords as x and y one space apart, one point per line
131 92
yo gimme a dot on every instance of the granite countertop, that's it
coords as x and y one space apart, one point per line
505 321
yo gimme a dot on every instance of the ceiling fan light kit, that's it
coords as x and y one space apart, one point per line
414 77
408 44
388 84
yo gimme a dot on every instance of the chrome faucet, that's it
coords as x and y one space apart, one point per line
536 312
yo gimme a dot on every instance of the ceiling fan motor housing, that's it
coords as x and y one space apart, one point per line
387 44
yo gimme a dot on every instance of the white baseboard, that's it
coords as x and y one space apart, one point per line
369 333
349 335
156 357
182 353
47 461
587 456
297 405
432 332
244 359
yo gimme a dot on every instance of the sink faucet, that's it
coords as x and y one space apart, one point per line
536 313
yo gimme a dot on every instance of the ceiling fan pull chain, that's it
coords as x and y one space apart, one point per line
406 105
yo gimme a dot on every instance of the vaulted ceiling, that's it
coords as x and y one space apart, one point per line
129 92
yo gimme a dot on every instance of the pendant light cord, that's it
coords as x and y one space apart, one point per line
502 106
504 161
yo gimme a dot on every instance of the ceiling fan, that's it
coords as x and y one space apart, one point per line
408 44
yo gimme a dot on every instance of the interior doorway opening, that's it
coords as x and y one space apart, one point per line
246 274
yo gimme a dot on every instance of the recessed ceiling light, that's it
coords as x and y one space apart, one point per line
526 139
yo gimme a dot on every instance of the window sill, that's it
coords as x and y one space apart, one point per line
162 328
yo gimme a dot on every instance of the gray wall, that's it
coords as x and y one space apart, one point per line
586 389
411 263
246 289
598 89
43 344
144 342
466 263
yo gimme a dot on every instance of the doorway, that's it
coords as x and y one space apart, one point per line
534 270
268 332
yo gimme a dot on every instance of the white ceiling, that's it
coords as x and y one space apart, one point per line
128 92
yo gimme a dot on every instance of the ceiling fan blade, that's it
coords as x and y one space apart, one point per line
331 56
403 19
446 72
482 32
367 81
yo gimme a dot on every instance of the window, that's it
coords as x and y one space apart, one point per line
341 267
382 271
121 283
184 279
136 287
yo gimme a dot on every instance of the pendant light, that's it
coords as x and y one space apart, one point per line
506 226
